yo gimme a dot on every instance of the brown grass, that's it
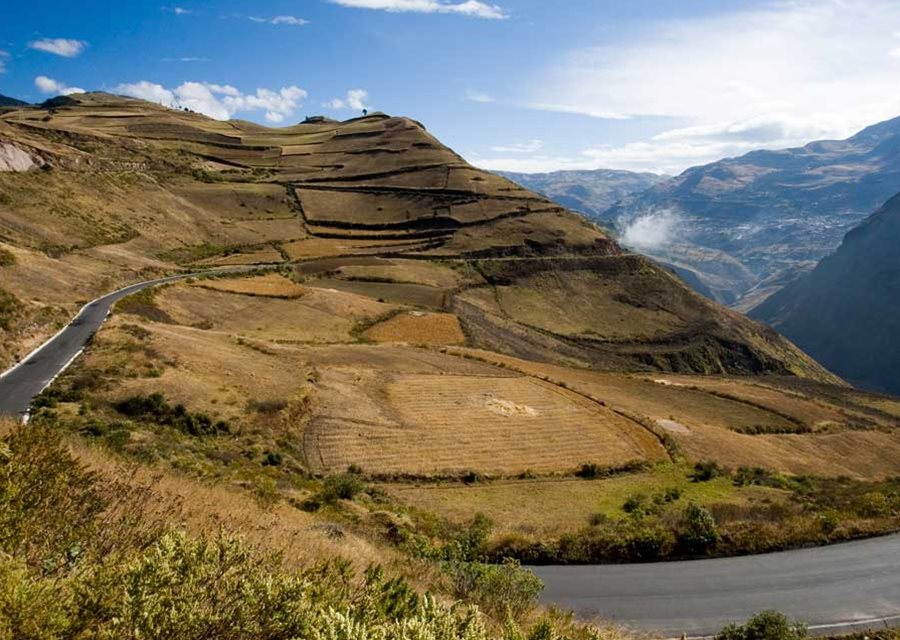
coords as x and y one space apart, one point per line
435 424
416 327
711 420
271 285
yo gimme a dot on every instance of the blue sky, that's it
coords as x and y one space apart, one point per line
528 85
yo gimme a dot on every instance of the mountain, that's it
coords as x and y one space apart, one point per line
129 188
588 192
746 226
6 101
846 312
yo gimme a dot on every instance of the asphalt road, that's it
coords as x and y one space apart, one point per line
843 587
19 385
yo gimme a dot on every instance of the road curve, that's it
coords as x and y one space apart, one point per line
20 384
833 589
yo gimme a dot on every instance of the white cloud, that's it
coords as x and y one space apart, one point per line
473 8
178 11
478 96
652 230
64 47
4 55
768 77
219 101
54 87
187 59
356 100
532 146
288 20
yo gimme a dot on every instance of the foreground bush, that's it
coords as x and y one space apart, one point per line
768 625
80 558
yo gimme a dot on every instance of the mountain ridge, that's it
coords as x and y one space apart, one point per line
845 312
776 213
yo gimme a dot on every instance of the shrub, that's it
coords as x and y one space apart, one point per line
342 486
768 625
635 503
875 504
7 258
697 533
498 589
155 408
706 470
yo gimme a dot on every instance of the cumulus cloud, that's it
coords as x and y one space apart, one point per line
219 101
280 20
54 87
651 230
355 99
478 96
526 147
473 8
772 76
64 47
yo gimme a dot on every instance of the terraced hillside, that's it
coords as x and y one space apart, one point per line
414 342
108 189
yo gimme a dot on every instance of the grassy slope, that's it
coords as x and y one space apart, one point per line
133 188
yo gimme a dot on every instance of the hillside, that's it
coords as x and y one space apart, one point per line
417 343
587 192
846 312
6 101
128 189
748 225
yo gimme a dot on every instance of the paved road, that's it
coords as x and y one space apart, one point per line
828 588
19 385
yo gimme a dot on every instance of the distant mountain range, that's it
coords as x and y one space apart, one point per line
747 226
846 312
588 192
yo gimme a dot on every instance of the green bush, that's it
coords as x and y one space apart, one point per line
697 532
707 470
155 408
768 625
7 258
342 486
498 589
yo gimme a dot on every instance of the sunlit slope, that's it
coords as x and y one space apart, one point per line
118 189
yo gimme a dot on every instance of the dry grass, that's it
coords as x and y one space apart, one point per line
436 424
442 276
318 316
203 508
271 285
710 421
416 327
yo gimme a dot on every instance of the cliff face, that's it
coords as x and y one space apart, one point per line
846 313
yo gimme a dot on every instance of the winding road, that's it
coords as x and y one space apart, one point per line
833 589
20 384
